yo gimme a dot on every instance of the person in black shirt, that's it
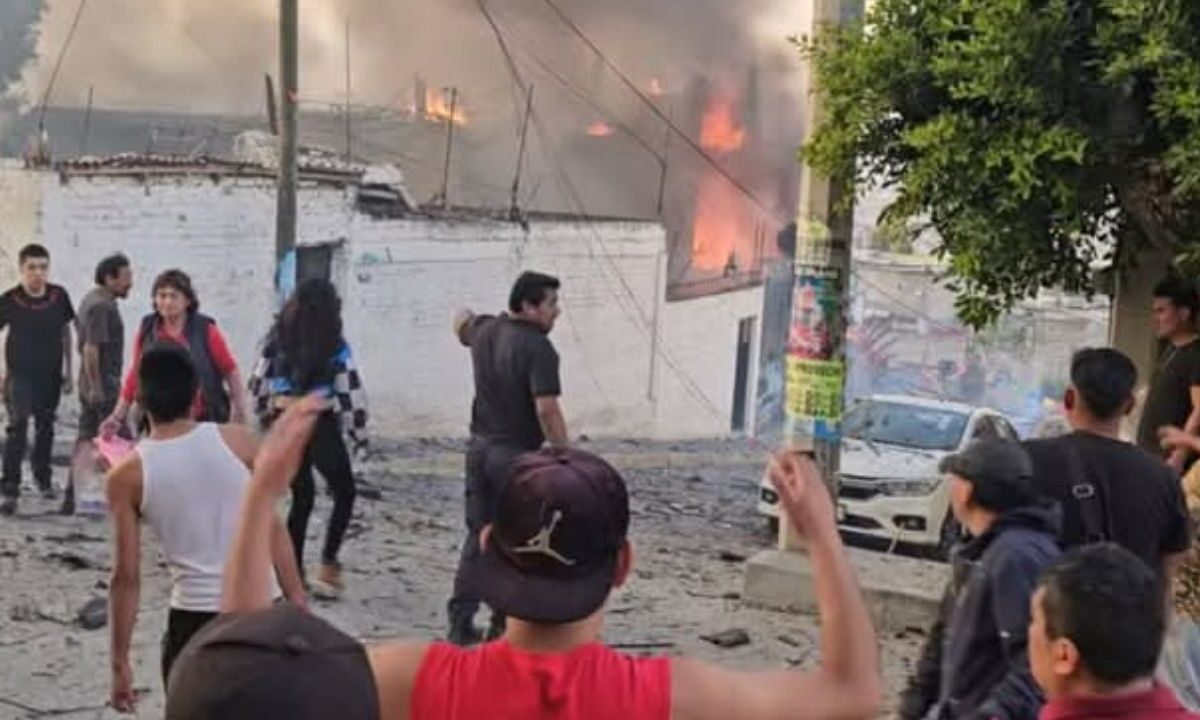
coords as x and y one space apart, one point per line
37 353
515 411
1110 490
1174 394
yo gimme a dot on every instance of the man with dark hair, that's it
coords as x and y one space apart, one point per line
556 553
37 354
186 481
1110 490
1098 621
515 410
973 664
101 350
1173 398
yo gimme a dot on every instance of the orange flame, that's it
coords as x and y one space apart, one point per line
719 130
437 108
722 230
599 129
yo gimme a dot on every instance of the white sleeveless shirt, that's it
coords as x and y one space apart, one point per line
192 488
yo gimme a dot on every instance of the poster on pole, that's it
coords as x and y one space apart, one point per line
816 366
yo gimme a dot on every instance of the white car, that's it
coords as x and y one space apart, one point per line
890 487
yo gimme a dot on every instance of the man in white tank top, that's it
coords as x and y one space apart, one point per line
186 481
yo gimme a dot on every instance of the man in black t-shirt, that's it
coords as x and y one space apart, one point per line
37 315
1110 490
1174 395
515 411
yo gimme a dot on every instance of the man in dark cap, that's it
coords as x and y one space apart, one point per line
974 663
554 553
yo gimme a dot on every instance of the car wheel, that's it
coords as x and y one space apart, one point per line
950 535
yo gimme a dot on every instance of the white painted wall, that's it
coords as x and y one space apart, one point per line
402 281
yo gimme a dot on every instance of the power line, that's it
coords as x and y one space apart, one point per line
663 116
62 53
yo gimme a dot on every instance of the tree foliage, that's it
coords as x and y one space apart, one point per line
1037 137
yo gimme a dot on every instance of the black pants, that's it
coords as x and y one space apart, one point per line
181 626
26 398
487 472
326 452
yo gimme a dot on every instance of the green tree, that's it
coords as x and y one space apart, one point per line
1035 136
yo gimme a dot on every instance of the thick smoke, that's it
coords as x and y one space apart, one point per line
209 56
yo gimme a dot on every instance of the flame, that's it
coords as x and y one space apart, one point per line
437 108
719 130
722 231
599 129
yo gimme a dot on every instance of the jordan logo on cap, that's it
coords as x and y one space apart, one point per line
540 544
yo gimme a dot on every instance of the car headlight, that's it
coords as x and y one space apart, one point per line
910 488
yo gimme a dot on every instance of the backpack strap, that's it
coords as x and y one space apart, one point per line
1089 499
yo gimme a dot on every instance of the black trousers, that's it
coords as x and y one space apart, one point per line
486 474
29 398
181 626
327 453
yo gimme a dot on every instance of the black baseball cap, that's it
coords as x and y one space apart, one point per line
282 662
560 523
991 461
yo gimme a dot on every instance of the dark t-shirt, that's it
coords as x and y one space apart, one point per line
1141 496
100 325
35 331
514 363
1169 401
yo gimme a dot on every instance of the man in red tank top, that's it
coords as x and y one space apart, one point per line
553 555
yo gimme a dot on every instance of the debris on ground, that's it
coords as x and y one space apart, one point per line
728 639
94 614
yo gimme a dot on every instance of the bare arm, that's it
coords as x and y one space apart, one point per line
91 368
124 495
239 402
248 568
68 374
846 685
554 425
1179 441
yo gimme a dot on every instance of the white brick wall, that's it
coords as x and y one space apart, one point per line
401 283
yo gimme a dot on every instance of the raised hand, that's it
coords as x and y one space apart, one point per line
802 494
282 450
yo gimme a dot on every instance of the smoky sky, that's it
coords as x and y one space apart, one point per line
210 55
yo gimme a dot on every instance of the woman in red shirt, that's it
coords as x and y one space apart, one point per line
221 396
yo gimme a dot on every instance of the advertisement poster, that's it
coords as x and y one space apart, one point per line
816 370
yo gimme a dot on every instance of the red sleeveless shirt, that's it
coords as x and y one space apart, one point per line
499 682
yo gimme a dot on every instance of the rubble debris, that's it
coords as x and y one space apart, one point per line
728 639
94 614
72 561
731 557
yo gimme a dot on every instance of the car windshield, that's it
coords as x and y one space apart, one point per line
910 426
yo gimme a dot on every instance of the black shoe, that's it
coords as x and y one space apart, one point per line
68 505
464 634
47 491
8 506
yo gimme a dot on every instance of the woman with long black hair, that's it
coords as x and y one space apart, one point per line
306 353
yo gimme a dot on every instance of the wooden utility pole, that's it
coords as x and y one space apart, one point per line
445 195
272 110
87 123
513 209
289 76
349 127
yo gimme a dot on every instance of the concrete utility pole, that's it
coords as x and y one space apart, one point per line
816 356
289 72
816 359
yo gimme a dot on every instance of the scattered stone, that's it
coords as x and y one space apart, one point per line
94 614
695 479
789 640
728 639
72 561
368 491
731 557
75 537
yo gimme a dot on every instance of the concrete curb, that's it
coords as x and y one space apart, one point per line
901 593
